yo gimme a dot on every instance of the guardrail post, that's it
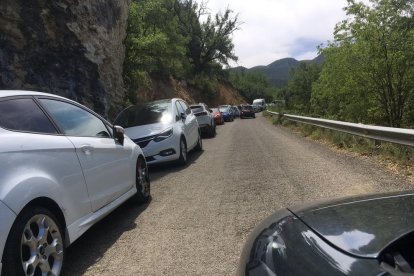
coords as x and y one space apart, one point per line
377 144
279 117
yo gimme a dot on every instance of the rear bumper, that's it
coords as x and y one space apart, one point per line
247 114
227 117
204 120
218 120
205 128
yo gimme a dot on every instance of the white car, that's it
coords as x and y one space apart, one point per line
259 104
205 118
63 168
165 130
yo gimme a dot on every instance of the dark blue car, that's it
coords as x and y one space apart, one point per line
227 113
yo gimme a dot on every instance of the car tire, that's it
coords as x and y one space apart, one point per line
212 130
199 146
143 182
36 242
183 152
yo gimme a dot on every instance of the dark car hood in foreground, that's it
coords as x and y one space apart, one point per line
361 226
353 236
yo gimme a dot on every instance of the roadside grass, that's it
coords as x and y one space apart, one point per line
398 158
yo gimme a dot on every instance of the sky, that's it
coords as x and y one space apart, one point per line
275 29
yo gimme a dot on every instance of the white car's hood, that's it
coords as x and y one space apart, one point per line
146 130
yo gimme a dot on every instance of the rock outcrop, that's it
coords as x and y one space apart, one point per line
72 48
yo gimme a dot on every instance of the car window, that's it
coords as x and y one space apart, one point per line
180 108
75 121
186 108
24 115
197 108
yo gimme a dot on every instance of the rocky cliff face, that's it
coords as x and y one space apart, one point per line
72 48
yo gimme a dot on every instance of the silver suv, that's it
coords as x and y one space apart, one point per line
63 168
205 118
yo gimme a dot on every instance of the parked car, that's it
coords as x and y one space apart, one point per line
366 235
63 169
256 108
165 130
260 104
247 111
205 119
218 117
226 112
236 112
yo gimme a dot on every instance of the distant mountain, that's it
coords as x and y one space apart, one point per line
279 71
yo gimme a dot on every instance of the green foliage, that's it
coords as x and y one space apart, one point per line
153 43
297 93
403 155
136 79
368 75
209 41
168 37
252 85
206 85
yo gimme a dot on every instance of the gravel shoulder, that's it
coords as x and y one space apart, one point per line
200 215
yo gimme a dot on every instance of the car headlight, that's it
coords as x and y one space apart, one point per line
269 243
163 135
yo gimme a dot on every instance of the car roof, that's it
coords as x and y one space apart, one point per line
9 93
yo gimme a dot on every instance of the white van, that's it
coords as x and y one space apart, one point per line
260 104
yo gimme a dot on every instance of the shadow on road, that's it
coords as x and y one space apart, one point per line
161 170
91 246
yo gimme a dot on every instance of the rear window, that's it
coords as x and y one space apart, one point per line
197 109
24 115
248 107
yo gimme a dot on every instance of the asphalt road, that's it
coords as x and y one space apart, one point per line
201 214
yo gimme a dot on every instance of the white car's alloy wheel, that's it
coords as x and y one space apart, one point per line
41 246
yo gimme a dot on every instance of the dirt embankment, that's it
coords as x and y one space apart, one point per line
172 88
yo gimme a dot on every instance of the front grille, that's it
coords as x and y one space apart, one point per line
143 142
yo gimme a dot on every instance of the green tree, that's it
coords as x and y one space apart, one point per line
252 85
209 41
154 46
368 73
299 89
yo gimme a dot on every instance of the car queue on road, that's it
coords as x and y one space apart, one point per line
85 167
64 168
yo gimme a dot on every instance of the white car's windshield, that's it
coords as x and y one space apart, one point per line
145 114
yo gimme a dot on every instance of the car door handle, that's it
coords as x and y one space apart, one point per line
87 149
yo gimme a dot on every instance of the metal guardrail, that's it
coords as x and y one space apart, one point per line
401 136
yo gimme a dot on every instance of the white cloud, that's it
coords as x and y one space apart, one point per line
275 29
